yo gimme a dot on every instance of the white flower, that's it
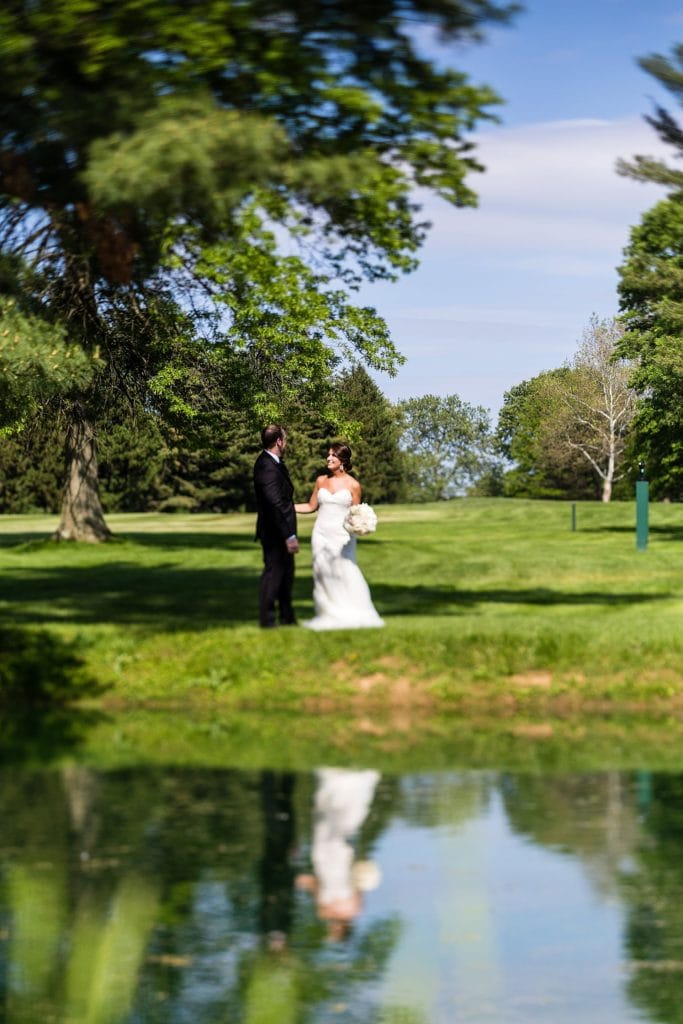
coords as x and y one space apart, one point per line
360 519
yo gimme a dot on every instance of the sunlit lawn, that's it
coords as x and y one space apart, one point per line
485 601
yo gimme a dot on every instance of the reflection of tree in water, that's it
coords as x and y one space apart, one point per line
592 816
277 869
93 976
654 892
446 798
150 896
638 857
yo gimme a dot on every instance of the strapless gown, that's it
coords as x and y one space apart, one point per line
341 597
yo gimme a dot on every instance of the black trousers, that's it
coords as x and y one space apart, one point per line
277 580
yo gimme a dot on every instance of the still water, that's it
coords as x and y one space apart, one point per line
339 894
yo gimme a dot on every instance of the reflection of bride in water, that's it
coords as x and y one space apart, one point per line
342 802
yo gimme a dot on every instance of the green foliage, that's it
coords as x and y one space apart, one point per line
188 158
208 469
447 446
287 326
529 435
120 124
669 72
651 297
174 177
32 467
132 456
650 289
36 363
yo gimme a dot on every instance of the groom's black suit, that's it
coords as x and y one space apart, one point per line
275 524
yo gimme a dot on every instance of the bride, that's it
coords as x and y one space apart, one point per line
340 594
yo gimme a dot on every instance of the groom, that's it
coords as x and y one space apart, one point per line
275 528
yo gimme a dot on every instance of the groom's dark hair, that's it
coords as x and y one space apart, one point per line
270 434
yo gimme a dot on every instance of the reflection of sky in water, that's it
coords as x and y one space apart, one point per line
497 929
214 966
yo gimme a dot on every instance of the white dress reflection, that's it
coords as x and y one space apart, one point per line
342 802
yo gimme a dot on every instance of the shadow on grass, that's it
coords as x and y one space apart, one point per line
165 597
19 542
445 601
207 541
665 532
41 677
169 597
24 539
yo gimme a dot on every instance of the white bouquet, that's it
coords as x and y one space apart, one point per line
360 519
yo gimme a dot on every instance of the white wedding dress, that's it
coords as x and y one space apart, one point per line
341 596
342 802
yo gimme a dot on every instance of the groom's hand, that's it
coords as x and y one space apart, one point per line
292 545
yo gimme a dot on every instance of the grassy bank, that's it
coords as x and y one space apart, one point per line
490 605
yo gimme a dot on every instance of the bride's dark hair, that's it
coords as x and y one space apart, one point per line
343 453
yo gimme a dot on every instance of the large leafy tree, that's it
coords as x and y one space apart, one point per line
447 445
651 293
152 158
530 435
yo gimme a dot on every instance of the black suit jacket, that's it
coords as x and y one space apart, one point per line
275 515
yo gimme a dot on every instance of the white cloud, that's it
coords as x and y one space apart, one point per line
557 169
493 315
503 291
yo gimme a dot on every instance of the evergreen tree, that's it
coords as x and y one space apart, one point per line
360 415
132 457
208 469
651 294
377 456
32 467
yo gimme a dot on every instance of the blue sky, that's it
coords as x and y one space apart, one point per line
505 291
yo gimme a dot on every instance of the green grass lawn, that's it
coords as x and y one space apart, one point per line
489 604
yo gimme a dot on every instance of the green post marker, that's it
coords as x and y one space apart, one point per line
643 790
642 509
573 517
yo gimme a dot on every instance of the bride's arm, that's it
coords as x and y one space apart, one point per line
355 489
312 504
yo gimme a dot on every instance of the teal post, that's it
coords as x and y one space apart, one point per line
643 790
642 510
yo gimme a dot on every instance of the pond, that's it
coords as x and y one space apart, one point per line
141 892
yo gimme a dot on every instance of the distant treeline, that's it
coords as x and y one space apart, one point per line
423 449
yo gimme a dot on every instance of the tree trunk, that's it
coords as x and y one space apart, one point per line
607 489
82 513
608 479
